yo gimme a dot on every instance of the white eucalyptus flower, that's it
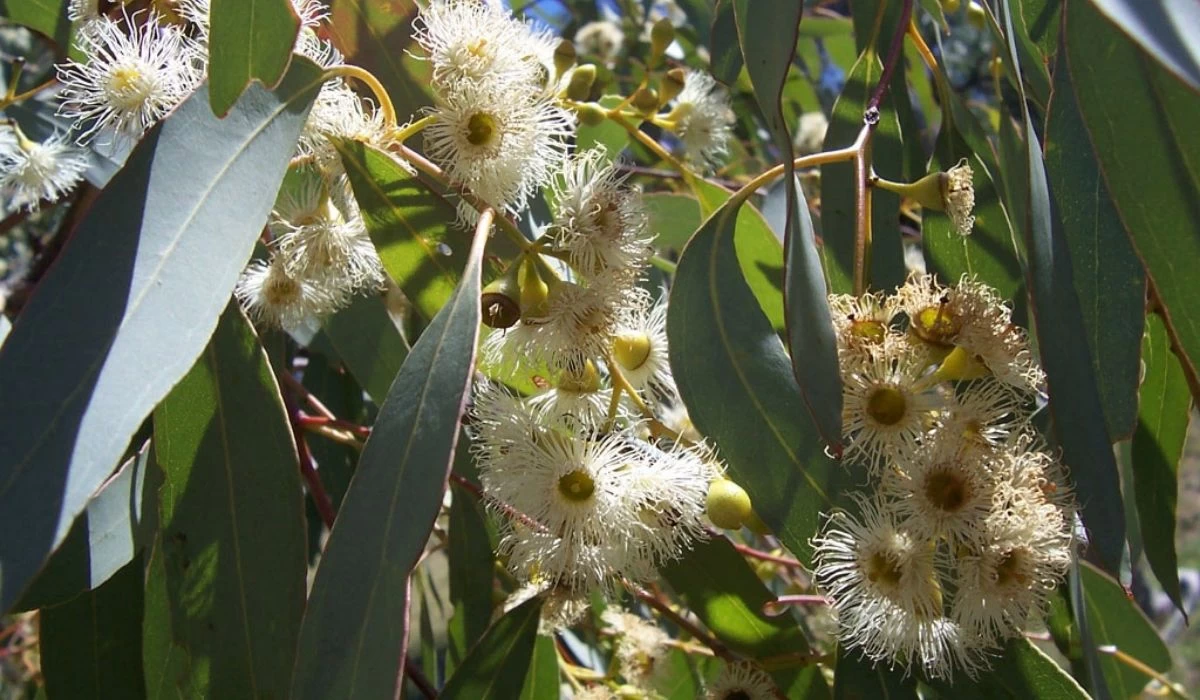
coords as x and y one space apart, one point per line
33 171
703 119
501 146
128 81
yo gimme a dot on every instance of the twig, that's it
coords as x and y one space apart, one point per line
682 622
308 467
749 551
775 607
893 56
477 491
417 676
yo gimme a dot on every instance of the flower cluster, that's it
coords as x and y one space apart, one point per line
603 492
967 526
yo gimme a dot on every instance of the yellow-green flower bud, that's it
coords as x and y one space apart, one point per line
500 300
579 87
976 15
661 36
534 292
584 381
728 504
951 5
671 85
590 114
645 100
564 57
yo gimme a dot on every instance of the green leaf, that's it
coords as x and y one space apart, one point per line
728 597
856 678
497 666
226 581
1139 120
1022 671
541 683
249 40
1117 623
991 251
1158 28
414 229
355 629
91 646
1108 276
737 381
837 186
378 36
726 61
367 340
46 17
673 218
130 303
1078 419
608 134
106 536
811 340
471 563
1164 409
759 252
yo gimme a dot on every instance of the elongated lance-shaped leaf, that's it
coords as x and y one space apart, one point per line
1074 399
810 335
130 304
91 645
737 381
768 39
1164 410
355 631
1108 276
1164 29
857 677
117 523
1021 671
413 228
248 40
1117 623
726 62
496 667
226 580
1140 121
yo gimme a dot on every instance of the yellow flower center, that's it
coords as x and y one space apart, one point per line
870 331
887 405
584 381
631 349
481 129
576 486
936 325
128 87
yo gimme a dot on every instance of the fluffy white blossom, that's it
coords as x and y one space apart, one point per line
640 348
133 73
479 45
273 297
703 119
742 680
500 146
32 171
598 223
887 405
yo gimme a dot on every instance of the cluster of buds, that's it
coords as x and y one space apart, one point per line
966 528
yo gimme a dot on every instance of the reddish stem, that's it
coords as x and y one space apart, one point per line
477 491
308 467
893 57
749 551
417 676
359 430
682 622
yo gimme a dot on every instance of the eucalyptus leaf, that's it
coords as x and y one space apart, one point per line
355 631
226 581
736 380
130 303
248 40
1164 412
497 667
